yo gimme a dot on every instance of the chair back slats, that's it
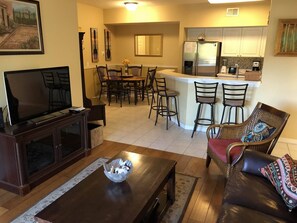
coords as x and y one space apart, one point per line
234 95
206 92
101 71
135 70
160 85
113 73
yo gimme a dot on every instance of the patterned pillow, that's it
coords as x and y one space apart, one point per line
260 132
282 173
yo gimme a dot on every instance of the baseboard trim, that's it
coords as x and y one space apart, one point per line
288 140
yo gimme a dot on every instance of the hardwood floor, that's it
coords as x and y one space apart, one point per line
203 207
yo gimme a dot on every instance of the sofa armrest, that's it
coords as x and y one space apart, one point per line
253 161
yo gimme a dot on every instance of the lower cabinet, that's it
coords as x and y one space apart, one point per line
34 155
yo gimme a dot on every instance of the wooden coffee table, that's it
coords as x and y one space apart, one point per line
97 199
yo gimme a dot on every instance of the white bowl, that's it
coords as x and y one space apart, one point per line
118 170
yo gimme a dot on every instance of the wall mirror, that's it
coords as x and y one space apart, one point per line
150 45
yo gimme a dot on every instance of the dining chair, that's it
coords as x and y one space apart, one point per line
51 82
64 82
259 132
116 86
102 75
135 70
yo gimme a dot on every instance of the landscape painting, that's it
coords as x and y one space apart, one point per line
20 27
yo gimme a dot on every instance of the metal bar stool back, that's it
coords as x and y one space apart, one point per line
149 86
234 97
206 94
163 106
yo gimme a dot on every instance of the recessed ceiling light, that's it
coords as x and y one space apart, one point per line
131 5
231 1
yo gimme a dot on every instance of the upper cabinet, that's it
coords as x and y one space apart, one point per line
236 42
263 42
231 42
210 34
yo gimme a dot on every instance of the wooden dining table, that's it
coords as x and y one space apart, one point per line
131 79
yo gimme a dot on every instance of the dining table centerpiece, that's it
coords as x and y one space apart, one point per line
125 62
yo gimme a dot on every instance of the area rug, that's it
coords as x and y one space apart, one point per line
184 188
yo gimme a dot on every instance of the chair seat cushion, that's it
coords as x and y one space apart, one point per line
219 146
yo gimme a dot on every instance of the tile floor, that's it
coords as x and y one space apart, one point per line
130 124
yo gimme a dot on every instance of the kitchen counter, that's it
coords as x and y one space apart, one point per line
221 78
187 106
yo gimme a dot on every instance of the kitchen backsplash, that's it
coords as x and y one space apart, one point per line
243 62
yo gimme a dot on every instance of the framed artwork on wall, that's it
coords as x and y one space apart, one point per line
20 27
107 45
286 39
94 44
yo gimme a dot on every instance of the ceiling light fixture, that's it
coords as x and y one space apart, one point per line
231 1
131 5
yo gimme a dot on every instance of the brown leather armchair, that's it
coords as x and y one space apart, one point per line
225 148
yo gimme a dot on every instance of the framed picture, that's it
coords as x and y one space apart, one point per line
107 44
94 44
20 27
286 39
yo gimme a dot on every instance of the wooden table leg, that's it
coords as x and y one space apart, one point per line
171 187
135 92
142 82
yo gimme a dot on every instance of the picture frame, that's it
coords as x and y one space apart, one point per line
286 38
20 28
107 43
94 45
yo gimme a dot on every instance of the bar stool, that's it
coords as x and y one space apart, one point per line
205 95
164 94
234 97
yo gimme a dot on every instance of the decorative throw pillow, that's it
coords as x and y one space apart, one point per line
260 132
282 173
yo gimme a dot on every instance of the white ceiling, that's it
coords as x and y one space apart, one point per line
105 4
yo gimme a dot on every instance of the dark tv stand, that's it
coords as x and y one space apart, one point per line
32 153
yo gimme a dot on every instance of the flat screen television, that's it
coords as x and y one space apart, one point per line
36 93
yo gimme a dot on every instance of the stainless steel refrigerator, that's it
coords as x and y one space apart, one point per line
201 58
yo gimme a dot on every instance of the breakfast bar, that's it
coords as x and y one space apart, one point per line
187 106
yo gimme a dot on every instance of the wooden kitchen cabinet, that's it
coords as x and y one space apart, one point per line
231 42
263 42
236 42
243 42
211 34
30 153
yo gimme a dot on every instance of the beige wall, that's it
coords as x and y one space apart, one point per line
123 44
280 73
198 15
91 17
59 25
